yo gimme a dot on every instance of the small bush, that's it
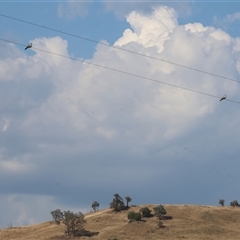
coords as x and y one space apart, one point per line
159 211
138 216
134 216
131 215
146 212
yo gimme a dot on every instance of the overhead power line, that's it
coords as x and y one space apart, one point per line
119 48
121 71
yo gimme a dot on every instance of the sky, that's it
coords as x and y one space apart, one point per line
117 97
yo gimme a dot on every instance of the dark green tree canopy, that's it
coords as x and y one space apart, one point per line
159 212
133 216
117 203
146 212
74 223
221 202
234 203
95 205
57 216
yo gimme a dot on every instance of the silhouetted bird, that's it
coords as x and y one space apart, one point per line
223 98
28 46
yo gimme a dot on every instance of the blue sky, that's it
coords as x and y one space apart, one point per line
72 132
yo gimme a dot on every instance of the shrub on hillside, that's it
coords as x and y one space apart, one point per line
133 216
159 212
146 212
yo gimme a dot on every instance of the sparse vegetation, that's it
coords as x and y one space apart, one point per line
146 212
133 216
221 202
188 223
95 206
234 203
159 212
74 222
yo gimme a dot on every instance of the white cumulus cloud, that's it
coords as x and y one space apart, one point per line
79 126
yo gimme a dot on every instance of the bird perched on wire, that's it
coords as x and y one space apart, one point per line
223 98
28 46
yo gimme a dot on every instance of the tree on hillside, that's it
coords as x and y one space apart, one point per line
57 216
95 206
117 203
74 222
159 212
128 199
221 202
234 203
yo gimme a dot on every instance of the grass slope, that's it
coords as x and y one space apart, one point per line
188 222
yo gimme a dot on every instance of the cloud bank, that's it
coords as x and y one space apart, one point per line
72 132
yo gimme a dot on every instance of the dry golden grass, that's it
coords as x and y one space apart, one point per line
188 222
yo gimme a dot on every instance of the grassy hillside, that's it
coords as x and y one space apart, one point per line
188 222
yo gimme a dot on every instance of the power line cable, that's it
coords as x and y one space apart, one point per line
121 71
119 48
